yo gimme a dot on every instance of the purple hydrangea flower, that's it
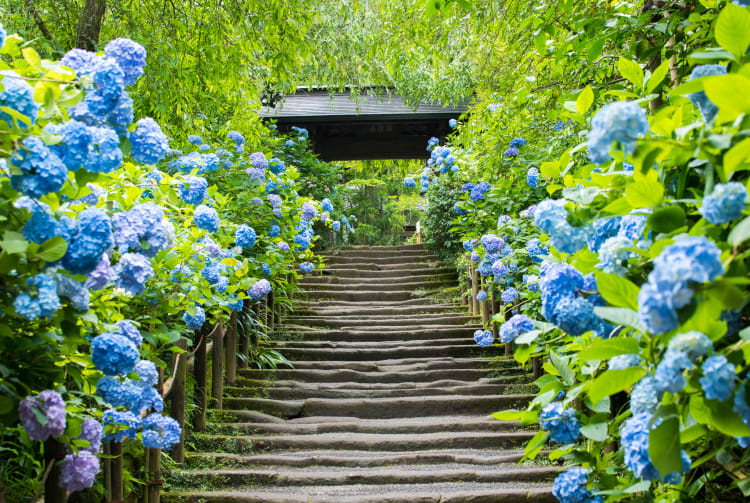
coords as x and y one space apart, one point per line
308 211
78 471
51 405
260 289
101 275
258 160
91 431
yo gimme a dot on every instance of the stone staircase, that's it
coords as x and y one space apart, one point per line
388 401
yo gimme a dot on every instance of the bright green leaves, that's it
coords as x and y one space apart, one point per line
719 415
729 93
644 191
613 381
585 100
667 219
664 440
740 233
733 29
656 78
13 243
632 71
738 157
604 349
617 291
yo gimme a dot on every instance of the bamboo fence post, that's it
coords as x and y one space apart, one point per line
508 345
495 327
485 307
244 342
107 469
217 367
231 350
178 400
116 496
265 314
474 292
200 366
153 470
270 308
54 451
537 364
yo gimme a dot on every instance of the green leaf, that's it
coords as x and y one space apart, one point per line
736 158
32 58
740 233
733 29
718 414
568 376
528 337
667 219
596 431
595 50
664 440
603 349
52 249
550 169
613 381
632 71
585 100
509 415
645 192
619 206
655 79
14 243
620 316
618 291
729 92
535 444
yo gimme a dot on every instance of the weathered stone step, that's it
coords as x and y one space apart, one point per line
373 271
392 426
380 249
279 392
328 278
383 252
380 408
358 260
510 492
309 334
368 441
407 474
345 375
365 345
365 295
353 309
372 354
402 364
376 304
380 320
354 459
312 287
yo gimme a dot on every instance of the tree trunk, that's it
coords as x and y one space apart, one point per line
90 24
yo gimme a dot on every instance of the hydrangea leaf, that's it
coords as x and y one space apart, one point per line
602 349
655 79
560 363
620 316
732 29
728 93
14 243
618 291
718 414
667 219
613 381
664 440
585 100
645 192
52 249
740 233
738 157
596 431
632 71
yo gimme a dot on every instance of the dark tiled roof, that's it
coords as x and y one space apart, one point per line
322 106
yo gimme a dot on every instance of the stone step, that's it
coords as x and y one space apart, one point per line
345 375
280 392
375 304
366 441
332 476
372 335
353 459
413 252
382 426
366 345
364 295
373 271
379 249
328 278
333 308
448 362
308 353
381 320
382 286
450 492
380 408
359 260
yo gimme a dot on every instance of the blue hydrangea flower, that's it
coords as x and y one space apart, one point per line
468 244
458 210
575 315
80 61
718 378
741 405
195 139
160 432
562 423
517 142
570 486
603 229
532 282
75 291
634 437
195 321
130 56
694 344
132 271
409 182
498 269
511 152
613 253
646 395
276 165
478 191
260 289
18 95
492 243
518 324
558 126
308 211
532 177
244 237
40 300
256 201
509 295
42 171
551 217
193 189
482 296
274 200
149 143
274 231
622 122
467 187
130 331
119 393
206 218
91 237
258 160
113 354
452 123
236 137
725 203
484 338
43 226
50 403
707 109
266 269
120 115
632 226
283 246
302 242
222 285
620 362
211 273
306 267
669 373
326 205
120 425
143 228
110 84
336 225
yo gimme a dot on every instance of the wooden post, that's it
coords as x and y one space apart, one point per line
537 363
217 367
474 292
265 314
485 307
231 349
153 472
200 367
270 310
494 311
106 469
115 448
178 400
54 451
